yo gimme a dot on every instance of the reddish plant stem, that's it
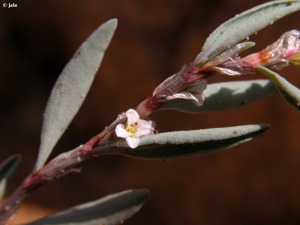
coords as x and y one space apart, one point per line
60 166
187 76
68 161
56 168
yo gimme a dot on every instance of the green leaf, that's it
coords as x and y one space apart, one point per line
186 143
7 169
288 91
245 24
225 95
295 60
71 88
112 209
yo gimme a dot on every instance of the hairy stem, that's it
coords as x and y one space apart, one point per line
58 167
68 161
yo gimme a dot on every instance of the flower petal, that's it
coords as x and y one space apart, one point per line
283 49
132 116
227 71
142 132
133 142
144 124
197 91
199 87
121 131
182 95
143 128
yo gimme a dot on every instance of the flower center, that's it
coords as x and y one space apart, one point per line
131 128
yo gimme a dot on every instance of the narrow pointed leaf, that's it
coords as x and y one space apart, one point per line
110 210
288 91
7 169
225 95
245 24
71 88
187 143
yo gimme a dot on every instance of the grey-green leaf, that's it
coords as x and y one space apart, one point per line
71 88
187 143
225 95
245 24
288 91
110 210
7 169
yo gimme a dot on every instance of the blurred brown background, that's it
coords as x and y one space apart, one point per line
255 183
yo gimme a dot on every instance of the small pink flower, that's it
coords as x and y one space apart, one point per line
277 55
134 129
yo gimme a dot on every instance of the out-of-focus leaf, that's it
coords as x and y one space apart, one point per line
71 88
295 60
186 143
112 209
7 169
288 91
245 24
225 95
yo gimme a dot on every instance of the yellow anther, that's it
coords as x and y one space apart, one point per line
131 128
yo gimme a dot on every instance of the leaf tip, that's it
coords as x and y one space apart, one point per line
113 23
262 128
145 193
